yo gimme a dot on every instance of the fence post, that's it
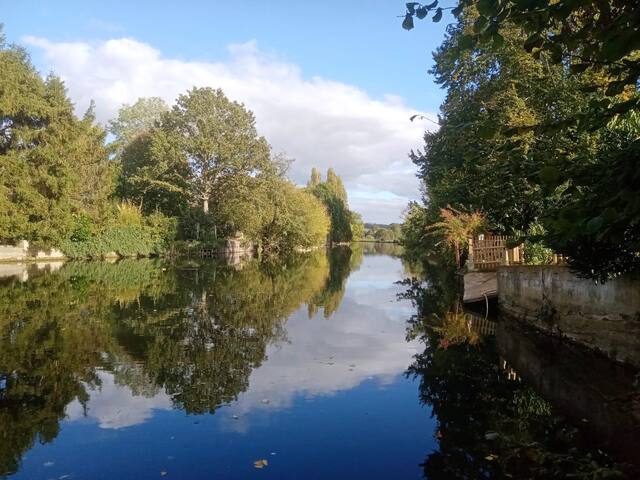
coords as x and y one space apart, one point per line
470 259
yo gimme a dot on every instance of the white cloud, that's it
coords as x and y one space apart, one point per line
318 122
115 406
363 340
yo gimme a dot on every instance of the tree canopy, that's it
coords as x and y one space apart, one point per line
345 224
53 166
524 137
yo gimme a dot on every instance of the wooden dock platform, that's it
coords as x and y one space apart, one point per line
480 286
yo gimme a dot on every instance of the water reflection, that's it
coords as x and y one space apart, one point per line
112 344
512 403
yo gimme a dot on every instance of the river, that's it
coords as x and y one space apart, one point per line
322 365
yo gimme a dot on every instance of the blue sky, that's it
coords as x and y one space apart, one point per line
330 77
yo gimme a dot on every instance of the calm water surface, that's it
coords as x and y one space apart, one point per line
321 365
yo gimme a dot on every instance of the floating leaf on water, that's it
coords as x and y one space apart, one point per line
265 400
163 473
235 417
490 436
491 457
260 463
49 464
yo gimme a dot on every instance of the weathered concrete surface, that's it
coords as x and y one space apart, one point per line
477 285
22 252
605 317
583 385
11 253
51 254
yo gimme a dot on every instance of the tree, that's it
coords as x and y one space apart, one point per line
154 174
523 139
357 226
334 196
589 36
218 140
53 166
136 119
315 179
455 228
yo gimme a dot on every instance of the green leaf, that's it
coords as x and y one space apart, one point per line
480 23
533 41
615 88
407 23
589 88
438 16
579 67
486 7
487 131
610 215
466 42
550 176
498 40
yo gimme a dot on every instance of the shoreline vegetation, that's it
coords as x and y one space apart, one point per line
538 137
158 180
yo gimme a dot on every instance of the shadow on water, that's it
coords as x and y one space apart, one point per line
196 330
513 403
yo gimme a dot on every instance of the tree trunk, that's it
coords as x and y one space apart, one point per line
205 205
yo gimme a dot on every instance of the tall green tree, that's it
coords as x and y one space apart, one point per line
334 196
537 128
217 137
53 166
136 119
315 179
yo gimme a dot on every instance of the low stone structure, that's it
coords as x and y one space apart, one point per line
586 387
605 317
23 252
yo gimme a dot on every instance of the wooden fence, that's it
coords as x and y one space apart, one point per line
487 252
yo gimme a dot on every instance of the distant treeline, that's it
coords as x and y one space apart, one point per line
380 232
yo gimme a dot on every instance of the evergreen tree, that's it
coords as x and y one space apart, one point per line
53 166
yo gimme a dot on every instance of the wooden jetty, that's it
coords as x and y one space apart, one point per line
486 254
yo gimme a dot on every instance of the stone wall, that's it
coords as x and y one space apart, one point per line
583 385
10 253
22 252
605 317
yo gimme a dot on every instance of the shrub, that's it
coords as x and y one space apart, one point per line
125 240
128 214
162 228
82 228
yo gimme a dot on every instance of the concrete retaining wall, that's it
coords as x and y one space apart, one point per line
604 317
22 252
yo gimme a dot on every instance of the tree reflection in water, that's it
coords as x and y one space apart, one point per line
491 424
195 330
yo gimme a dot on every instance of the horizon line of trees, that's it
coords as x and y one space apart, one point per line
196 170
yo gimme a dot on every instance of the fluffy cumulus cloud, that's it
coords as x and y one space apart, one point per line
316 121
